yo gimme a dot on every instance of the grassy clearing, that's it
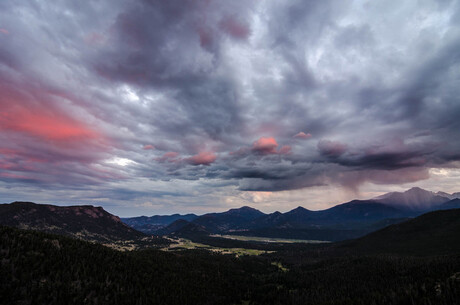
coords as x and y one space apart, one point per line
183 243
280 266
269 239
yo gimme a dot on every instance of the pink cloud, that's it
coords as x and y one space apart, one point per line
15 160
203 158
234 28
171 156
265 145
49 126
44 141
206 37
33 113
285 150
149 147
4 31
302 135
15 176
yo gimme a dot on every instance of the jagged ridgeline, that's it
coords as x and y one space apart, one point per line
341 222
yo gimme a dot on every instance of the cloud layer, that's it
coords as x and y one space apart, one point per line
230 97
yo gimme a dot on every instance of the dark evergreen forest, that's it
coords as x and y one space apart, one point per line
41 268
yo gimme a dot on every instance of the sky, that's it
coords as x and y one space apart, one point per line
153 107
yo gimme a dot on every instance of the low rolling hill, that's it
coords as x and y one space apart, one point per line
152 224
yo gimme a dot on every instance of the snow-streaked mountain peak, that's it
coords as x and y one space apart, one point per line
415 199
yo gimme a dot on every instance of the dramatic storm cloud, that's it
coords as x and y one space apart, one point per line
151 106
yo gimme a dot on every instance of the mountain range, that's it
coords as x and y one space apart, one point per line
416 199
341 222
344 221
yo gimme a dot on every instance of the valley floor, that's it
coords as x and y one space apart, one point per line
269 239
187 244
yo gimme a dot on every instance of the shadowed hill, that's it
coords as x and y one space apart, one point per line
434 233
155 223
191 229
173 227
42 268
453 204
86 222
233 218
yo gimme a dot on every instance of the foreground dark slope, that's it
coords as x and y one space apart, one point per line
433 233
86 222
40 268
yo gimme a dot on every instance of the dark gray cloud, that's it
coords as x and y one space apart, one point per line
219 90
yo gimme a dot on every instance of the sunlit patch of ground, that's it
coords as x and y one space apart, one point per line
182 243
280 266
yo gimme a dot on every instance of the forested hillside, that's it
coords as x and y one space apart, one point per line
40 268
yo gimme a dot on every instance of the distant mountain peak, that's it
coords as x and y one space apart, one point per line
450 196
300 209
244 211
414 198
243 208
298 213
417 189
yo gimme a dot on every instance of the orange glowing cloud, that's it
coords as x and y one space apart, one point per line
203 158
265 145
